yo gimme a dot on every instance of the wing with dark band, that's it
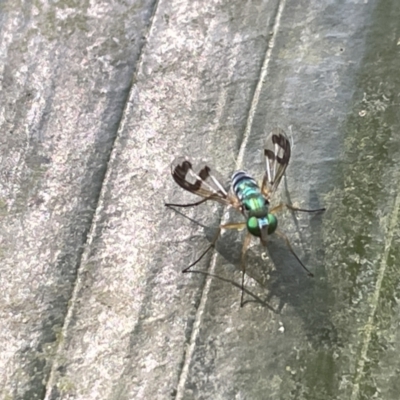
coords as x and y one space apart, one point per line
203 183
277 156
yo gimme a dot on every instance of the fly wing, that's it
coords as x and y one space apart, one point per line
201 180
277 156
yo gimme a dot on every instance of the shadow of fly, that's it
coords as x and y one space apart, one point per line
245 195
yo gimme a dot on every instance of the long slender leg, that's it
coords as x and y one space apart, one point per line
187 205
235 225
238 226
215 237
212 245
290 207
246 245
285 238
232 282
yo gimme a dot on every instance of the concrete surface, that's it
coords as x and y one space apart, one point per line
97 100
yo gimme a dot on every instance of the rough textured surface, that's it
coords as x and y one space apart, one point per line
96 101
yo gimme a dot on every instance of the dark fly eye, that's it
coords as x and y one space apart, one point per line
246 207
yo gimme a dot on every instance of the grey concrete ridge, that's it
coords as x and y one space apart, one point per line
97 99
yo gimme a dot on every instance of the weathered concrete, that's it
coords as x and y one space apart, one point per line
97 100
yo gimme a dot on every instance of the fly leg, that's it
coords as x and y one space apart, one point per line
187 205
246 245
285 238
290 207
212 245
237 226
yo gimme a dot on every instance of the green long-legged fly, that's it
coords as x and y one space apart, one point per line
245 195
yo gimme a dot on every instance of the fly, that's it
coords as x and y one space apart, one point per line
245 195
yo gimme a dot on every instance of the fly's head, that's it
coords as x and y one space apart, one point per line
259 222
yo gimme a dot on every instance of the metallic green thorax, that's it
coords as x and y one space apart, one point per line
255 206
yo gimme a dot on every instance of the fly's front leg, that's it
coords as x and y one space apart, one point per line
235 225
285 238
